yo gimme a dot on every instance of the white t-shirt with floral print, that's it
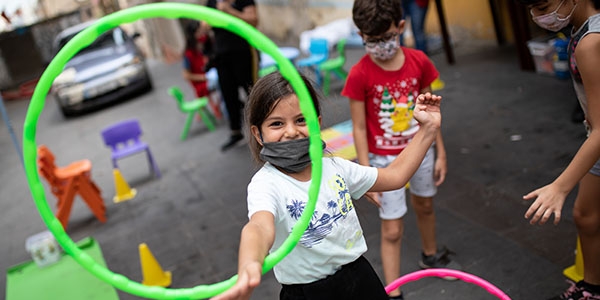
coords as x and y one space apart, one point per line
334 236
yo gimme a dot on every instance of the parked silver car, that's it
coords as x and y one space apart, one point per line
109 70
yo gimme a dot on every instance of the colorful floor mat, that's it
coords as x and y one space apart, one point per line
339 140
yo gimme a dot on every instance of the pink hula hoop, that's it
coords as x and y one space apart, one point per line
466 277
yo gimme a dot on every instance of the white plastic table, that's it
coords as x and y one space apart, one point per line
290 53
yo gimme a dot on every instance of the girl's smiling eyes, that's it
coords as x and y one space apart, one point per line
275 124
301 121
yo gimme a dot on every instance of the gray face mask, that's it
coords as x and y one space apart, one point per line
291 156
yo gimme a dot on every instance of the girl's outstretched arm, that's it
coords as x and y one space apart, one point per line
397 174
549 200
257 238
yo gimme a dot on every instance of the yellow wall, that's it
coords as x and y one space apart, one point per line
470 19
465 18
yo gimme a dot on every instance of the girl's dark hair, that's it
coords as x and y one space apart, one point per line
534 2
530 2
191 41
374 17
264 96
190 35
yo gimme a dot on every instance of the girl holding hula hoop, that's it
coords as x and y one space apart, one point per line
327 263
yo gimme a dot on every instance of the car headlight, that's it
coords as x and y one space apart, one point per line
132 69
66 77
134 61
72 94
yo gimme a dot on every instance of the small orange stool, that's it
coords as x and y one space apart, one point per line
68 181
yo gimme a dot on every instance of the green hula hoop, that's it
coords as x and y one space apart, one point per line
166 10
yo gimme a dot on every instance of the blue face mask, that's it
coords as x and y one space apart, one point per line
291 156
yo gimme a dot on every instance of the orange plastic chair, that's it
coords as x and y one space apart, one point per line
66 182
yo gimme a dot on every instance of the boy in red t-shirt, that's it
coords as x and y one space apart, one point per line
382 88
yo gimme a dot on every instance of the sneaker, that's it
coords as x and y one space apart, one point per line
440 260
577 291
233 140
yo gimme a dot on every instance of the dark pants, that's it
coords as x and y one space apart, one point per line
354 281
417 15
236 69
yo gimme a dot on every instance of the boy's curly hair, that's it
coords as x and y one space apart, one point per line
374 17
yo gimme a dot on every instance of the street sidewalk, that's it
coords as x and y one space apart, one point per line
506 132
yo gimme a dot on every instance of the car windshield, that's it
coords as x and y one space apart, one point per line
112 37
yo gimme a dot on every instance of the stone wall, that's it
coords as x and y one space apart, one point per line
26 51
284 20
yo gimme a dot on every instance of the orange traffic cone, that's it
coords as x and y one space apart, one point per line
123 191
575 272
151 270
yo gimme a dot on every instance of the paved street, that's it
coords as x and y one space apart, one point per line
506 132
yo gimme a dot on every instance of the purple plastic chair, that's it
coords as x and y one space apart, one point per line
124 139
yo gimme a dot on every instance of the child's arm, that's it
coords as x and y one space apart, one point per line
441 166
399 172
551 198
359 133
257 238
187 73
248 14
193 76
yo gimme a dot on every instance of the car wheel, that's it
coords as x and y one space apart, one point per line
67 113
149 86
64 110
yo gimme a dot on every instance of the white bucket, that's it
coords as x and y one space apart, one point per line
43 248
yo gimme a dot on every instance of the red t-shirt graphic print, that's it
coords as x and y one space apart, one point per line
389 98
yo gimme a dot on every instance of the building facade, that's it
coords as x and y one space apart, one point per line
161 38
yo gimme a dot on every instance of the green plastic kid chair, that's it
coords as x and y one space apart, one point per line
335 65
267 70
191 108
